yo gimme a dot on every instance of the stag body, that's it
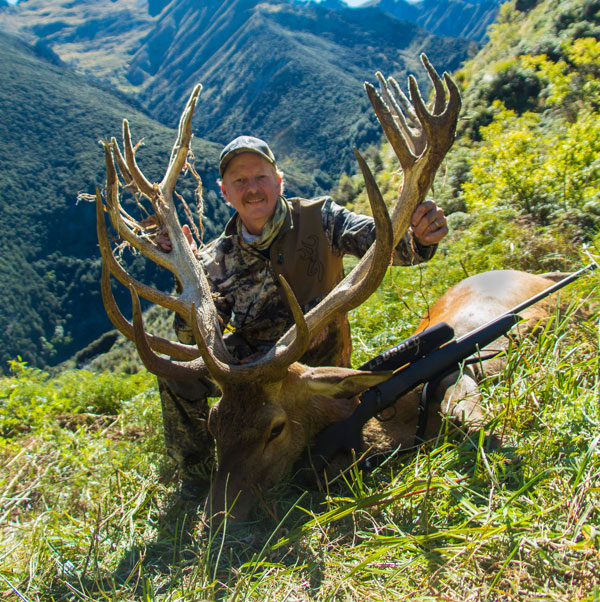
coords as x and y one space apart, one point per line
266 399
262 432
468 305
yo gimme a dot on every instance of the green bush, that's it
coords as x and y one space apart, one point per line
31 399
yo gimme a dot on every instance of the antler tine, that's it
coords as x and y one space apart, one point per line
402 100
439 101
154 363
112 188
142 184
112 199
423 115
454 104
273 362
439 127
392 131
120 161
361 282
302 333
122 169
151 294
398 104
175 350
181 147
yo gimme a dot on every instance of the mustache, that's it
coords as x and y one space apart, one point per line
253 197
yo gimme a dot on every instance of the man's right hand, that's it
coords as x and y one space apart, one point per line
163 241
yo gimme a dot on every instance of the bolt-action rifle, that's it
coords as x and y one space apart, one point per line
424 357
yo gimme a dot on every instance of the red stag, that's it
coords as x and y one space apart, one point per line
272 406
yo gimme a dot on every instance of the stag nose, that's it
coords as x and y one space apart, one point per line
228 500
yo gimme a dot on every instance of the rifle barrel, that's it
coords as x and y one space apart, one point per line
552 289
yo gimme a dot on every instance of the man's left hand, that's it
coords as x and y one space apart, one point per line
429 224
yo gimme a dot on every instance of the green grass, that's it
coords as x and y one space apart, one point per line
88 498
89 507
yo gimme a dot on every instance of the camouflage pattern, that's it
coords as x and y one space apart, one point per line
249 302
246 289
352 234
185 424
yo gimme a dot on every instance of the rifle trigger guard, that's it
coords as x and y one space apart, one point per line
423 409
380 415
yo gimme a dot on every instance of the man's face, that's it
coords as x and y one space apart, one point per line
251 185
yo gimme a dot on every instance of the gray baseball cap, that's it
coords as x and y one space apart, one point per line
244 144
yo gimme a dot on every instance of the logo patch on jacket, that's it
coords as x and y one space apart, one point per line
310 253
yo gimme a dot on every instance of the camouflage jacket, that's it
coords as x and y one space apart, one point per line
308 251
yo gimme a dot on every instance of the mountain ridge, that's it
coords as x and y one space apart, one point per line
267 68
321 54
457 18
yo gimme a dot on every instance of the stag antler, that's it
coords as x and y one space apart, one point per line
194 302
420 139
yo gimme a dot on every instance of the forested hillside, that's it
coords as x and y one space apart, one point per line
50 123
290 74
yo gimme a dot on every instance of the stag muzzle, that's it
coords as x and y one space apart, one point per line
231 499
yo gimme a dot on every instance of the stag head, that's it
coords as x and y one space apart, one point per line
261 429
270 406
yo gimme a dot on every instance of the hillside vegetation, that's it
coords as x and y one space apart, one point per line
88 499
521 183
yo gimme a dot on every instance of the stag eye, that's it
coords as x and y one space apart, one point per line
276 430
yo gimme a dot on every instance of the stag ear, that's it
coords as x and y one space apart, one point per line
341 382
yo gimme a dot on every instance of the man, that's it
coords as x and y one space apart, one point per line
303 240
